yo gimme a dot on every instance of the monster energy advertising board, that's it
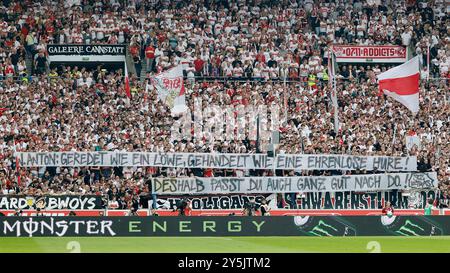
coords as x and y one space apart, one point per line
226 226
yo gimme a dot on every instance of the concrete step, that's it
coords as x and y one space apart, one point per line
29 63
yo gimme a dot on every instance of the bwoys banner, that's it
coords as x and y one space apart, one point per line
370 54
225 226
218 160
286 184
72 202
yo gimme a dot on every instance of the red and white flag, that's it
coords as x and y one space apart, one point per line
170 88
127 83
402 84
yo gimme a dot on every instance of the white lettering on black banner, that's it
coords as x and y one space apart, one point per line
86 50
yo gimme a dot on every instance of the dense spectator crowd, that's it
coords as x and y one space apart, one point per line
73 108
260 39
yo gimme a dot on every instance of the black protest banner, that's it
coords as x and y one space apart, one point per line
214 202
50 202
365 200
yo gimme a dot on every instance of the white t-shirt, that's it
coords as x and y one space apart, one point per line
406 38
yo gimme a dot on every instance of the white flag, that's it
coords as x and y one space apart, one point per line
170 88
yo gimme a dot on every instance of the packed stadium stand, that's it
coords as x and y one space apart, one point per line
233 53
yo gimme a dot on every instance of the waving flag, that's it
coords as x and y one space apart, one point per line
127 83
402 84
170 88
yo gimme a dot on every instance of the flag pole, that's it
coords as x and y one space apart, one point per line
17 161
285 101
394 137
428 62
331 61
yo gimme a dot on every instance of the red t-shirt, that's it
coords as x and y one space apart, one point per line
9 70
150 52
261 58
24 31
161 37
198 64
134 50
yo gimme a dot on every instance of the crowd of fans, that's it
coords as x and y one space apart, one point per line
73 108
260 39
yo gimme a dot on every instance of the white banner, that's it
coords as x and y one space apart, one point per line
170 87
370 54
295 184
218 161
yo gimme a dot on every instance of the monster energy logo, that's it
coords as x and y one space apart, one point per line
319 230
408 229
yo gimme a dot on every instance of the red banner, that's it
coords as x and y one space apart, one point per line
370 54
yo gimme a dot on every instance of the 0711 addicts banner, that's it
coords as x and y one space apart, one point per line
225 226
370 53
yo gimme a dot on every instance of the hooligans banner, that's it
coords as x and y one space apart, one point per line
370 54
286 184
72 202
218 161
215 202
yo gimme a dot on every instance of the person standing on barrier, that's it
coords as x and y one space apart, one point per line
188 209
249 208
265 210
154 197
388 210
182 206
428 207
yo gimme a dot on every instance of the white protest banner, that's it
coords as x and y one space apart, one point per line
411 141
218 161
267 184
170 87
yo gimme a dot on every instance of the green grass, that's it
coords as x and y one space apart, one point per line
227 244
